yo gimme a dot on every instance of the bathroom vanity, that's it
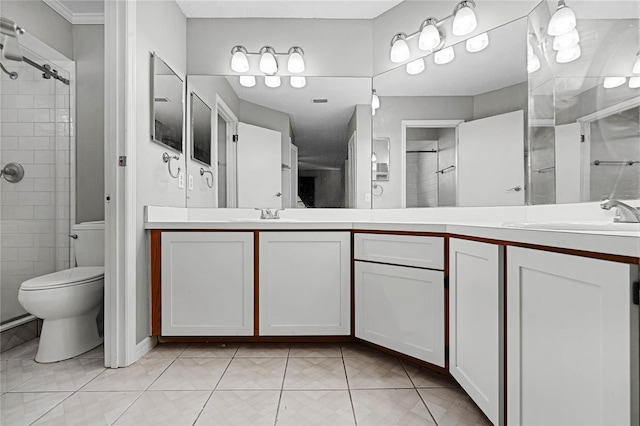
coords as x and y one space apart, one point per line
500 308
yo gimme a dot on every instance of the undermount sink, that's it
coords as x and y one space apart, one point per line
578 226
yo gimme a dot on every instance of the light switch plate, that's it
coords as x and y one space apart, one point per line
190 182
181 180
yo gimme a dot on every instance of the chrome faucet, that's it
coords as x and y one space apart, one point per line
624 212
269 214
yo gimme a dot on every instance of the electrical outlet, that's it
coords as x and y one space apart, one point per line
181 180
367 197
190 182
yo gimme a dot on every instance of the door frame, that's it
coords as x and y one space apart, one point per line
407 124
223 110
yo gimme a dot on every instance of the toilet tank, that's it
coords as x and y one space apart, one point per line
89 246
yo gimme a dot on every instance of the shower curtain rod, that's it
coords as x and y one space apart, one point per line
47 72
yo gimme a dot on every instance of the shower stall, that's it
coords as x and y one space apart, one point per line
37 184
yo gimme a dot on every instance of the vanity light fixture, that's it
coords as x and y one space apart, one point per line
444 56
399 48
533 62
634 82
477 43
464 18
568 55
239 60
247 80
567 40
636 65
613 82
375 102
295 64
298 82
268 61
272 81
430 36
415 67
562 21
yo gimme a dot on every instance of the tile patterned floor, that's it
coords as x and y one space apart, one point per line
231 384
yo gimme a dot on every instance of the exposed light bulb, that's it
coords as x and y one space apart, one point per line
239 60
247 80
268 62
375 100
430 36
533 64
415 67
272 81
568 55
298 82
636 65
634 82
562 21
295 65
464 19
567 40
444 56
613 82
399 48
477 43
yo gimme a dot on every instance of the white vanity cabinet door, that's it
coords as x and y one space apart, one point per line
476 322
572 340
402 309
207 283
305 283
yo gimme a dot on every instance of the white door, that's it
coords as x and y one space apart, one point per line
572 340
259 167
476 322
568 155
490 161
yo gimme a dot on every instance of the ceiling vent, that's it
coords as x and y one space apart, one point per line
320 101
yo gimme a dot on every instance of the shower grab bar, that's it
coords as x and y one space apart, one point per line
627 162
202 172
442 171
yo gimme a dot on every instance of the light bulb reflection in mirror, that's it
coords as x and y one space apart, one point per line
444 56
415 67
272 81
568 55
298 82
247 80
477 43
613 82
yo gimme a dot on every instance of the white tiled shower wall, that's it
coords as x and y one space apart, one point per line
36 126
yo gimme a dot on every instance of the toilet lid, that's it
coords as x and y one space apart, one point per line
68 277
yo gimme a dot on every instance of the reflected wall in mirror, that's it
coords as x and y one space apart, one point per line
295 147
380 159
200 130
584 142
456 130
167 112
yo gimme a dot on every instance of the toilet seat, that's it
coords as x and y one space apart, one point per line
66 278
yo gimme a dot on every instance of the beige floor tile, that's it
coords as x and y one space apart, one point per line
69 375
174 408
25 351
376 372
18 409
425 378
254 373
89 408
315 408
358 349
170 350
93 353
314 350
451 406
14 372
192 374
135 377
390 407
240 408
315 373
254 350
210 350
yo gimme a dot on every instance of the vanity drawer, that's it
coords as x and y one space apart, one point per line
406 250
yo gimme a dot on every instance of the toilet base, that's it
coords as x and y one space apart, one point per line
65 338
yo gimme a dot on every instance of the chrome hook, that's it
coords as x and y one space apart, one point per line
202 172
167 159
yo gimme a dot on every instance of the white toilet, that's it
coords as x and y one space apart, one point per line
69 301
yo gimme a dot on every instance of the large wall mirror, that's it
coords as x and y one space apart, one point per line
167 113
456 129
295 147
584 140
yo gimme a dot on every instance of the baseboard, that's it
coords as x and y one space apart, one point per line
144 347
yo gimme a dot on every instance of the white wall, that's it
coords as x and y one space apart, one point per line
361 123
332 47
161 27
